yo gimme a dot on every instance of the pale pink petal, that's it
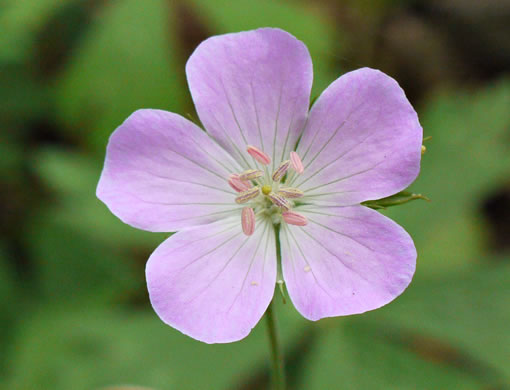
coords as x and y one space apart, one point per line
163 173
252 88
346 260
362 141
213 282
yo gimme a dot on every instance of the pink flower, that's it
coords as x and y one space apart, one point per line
266 160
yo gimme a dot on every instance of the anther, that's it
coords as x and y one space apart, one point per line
258 155
290 192
248 221
251 174
294 218
238 184
279 201
280 171
248 195
296 163
423 149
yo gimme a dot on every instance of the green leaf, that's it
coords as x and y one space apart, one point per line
73 179
467 158
354 358
323 40
19 20
443 332
82 347
126 62
79 248
9 291
469 310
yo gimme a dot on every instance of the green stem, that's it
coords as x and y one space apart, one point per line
278 373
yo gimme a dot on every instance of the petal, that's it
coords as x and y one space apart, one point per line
362 141
163 173
212 282
347 260
252 88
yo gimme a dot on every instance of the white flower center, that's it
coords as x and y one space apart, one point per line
266 196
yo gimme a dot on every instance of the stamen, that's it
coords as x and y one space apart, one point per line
251 174
279 201
248 195
423 149
238 184
294 218
280 171
258 155
248 221
290 192
296 162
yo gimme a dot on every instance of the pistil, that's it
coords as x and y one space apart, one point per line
268 193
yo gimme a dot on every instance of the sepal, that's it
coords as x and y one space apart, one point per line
398 199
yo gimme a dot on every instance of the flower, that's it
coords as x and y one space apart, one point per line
264 161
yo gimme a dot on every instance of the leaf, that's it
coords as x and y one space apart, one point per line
322 39
79 248
468 156
469 310
65 28
19 20
79 346
443 332
356 359
125 62
73 179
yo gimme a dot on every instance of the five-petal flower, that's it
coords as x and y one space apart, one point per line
266 160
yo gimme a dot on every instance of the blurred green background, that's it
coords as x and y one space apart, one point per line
74 311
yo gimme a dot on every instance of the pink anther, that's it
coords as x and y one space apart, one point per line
293 218
247 195
296 163
258 155
251 174
238 184
280 171
279 201
248 220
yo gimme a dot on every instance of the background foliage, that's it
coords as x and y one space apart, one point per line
75 312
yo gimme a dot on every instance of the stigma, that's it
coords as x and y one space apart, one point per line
266 189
